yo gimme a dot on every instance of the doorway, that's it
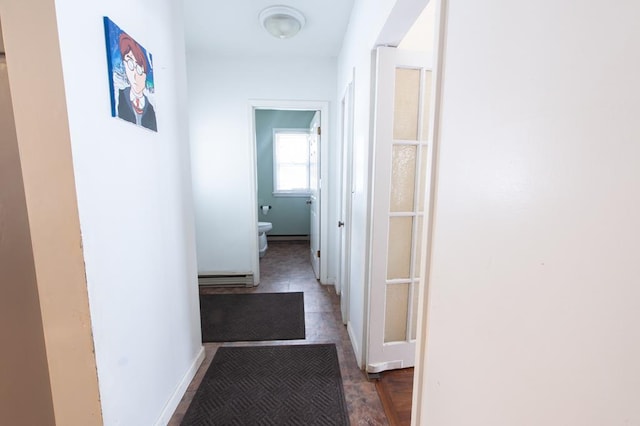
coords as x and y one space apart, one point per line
288 191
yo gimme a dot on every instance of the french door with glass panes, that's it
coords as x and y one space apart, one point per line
403 87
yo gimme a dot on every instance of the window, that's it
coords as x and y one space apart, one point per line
290 162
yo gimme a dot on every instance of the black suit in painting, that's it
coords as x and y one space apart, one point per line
127 112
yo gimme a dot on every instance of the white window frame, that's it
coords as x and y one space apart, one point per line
287 193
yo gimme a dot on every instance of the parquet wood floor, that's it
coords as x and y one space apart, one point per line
395 388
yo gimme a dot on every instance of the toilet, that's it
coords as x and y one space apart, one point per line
263 228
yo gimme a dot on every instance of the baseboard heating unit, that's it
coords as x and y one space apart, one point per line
226 279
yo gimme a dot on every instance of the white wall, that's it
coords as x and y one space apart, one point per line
219 93
534 297
135 206
421 34
364 32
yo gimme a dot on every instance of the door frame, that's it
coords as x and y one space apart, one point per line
439 54
323 107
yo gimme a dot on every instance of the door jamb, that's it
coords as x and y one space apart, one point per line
418 411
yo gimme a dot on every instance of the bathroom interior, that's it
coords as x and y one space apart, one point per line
281 216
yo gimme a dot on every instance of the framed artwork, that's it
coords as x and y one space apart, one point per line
131 84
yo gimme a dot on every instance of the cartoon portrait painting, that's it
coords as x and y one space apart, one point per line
130 78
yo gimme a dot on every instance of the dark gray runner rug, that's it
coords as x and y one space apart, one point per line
271 385
253 316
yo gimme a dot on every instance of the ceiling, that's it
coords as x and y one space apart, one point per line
232 28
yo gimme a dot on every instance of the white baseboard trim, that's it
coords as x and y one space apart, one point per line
354 344
287 238
175 399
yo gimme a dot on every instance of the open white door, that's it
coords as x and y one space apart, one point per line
314 191
344 223
403 84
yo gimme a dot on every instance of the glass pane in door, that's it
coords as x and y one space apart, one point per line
406 104
426 106
417 247
396 308
422 182
414 311
403 178
399 248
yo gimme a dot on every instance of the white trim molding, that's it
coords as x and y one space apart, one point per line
419 378
175 399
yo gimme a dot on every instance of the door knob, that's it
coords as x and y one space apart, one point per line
308 201
340 224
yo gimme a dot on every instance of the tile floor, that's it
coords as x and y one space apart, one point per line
286 268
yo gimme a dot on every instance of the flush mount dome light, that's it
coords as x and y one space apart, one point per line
282 21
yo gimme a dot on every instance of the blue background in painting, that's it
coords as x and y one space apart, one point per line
115 64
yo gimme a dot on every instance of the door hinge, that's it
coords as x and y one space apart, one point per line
319 131
318 254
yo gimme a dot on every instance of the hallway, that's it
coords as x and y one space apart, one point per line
286 268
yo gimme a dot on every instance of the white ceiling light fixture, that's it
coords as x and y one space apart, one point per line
282 21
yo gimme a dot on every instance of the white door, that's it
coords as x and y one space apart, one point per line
403 83
314 191
344 223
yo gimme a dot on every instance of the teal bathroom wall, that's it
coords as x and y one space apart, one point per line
289 215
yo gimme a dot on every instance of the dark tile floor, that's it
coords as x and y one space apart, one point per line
286 268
